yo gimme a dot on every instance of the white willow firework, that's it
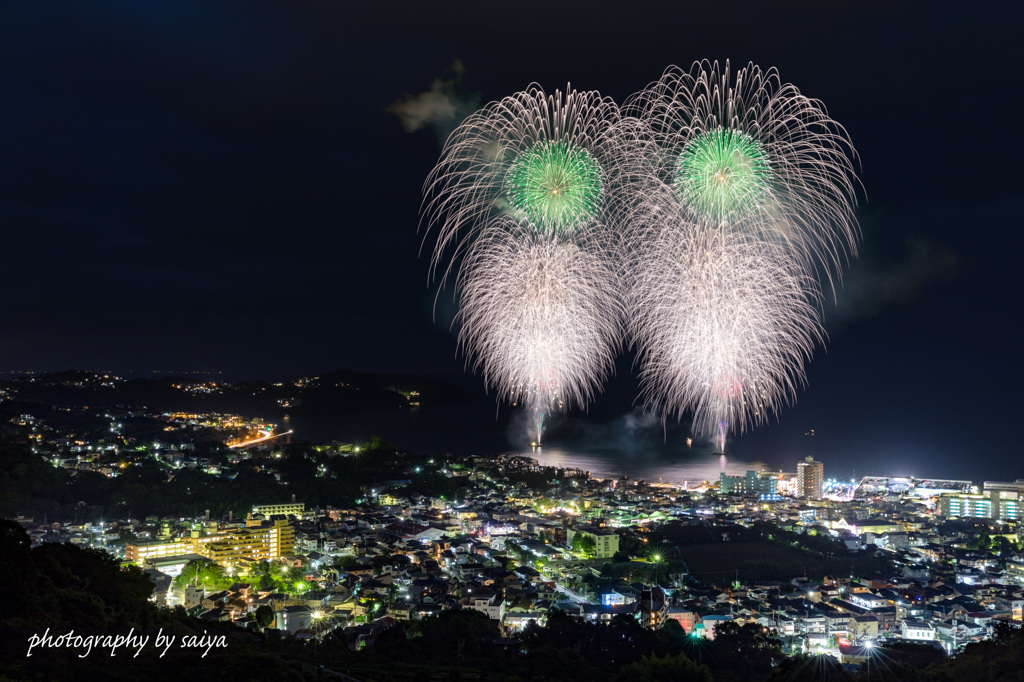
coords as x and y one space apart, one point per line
743 150
723 328
538 318
517 200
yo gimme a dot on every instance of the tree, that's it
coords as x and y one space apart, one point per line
202 573
190 574
14 540
345 562
810 669
264 616
584 544
672 638
651 668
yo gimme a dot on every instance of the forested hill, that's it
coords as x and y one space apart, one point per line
335 392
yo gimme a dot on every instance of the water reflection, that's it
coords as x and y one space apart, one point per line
635 445
668 465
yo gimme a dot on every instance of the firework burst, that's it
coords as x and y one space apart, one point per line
538 318
517 202
737 192
743 150
709 211
539 159
723 329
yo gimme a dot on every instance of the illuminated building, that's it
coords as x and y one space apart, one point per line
143 550
1000 486
731 484
653 608
293 508
606 543
753 481
809 478
258 540
761 482
992 504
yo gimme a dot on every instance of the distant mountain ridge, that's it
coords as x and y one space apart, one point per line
340 391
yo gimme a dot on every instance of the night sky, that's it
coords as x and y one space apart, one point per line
227 186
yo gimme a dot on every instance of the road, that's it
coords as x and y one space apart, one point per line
573 595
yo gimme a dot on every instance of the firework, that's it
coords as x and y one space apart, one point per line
554 186
710 212
737 193
538 159
538 318
723 327
744 151
517 204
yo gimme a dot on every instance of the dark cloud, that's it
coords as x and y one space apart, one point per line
870 287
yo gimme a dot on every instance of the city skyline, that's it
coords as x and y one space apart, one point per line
239 198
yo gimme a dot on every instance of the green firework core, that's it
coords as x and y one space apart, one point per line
723 174
556 185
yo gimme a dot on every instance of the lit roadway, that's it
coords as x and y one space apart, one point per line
574 596
261 439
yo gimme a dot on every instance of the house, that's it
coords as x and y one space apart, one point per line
294 618
855 655
861 627
917 630
493 607
711 622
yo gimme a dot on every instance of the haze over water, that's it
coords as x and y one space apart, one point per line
673 465
634 444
